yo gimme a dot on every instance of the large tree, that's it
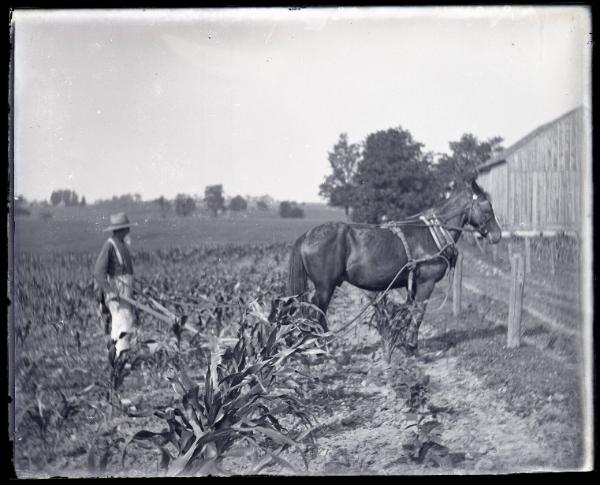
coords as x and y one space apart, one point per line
184 205
338 187
394 178
214 200
466 155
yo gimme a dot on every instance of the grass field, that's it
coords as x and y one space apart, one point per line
79 229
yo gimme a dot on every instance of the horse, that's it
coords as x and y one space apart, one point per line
372 257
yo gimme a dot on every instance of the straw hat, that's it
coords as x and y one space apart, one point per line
118 221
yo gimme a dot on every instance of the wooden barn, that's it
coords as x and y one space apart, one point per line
536 183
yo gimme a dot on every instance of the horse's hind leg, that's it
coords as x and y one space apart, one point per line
416 314
321 298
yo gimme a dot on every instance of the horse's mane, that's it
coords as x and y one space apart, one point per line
467 190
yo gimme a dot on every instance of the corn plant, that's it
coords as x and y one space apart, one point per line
391 321
51 419
424 444
103 447
237 410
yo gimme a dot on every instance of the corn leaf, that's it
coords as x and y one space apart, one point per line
283 463
274 435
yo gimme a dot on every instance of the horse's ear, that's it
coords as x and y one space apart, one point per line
477 190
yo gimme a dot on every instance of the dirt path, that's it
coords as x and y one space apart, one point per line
364 419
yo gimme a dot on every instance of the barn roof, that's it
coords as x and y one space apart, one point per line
503 155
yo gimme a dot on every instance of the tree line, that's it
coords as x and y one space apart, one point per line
214 202
389 175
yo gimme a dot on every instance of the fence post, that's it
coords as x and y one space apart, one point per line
552 242
516 301
457 286
494 253
528 255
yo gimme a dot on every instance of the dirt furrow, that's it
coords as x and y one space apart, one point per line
495 438
365 421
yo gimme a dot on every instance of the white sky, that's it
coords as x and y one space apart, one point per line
168 101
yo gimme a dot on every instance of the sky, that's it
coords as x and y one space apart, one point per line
161 102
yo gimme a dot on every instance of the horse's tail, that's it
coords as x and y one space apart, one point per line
297 273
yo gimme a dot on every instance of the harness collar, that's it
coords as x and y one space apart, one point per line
439 233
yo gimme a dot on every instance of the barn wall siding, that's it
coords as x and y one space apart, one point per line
538 187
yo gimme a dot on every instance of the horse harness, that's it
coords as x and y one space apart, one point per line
442 238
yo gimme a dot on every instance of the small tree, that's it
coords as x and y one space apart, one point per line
56 197
289 209
83 202
71 198
214 200
184 205
339 187
264 202
164 205
20 206
238 203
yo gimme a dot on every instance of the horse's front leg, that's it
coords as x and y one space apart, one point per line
416 314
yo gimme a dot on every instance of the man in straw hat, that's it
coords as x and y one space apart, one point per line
114 275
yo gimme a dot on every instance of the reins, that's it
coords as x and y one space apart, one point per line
410 222
389 287
166 315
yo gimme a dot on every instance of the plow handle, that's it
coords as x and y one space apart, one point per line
149 310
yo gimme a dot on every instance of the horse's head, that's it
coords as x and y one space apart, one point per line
481 214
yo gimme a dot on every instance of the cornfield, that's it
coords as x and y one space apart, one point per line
244 381
227 360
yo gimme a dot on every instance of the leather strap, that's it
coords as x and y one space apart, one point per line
114 244
398 232
440 235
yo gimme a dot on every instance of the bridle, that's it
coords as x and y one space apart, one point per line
481 227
